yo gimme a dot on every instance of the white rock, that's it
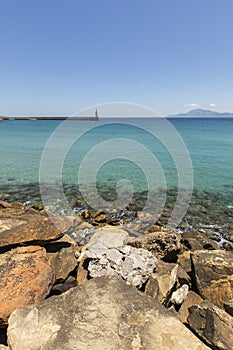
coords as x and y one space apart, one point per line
179 295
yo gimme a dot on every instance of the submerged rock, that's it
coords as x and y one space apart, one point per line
104 313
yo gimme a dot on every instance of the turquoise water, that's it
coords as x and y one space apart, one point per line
154 156
209 143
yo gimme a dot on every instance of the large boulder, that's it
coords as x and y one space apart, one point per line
214 275
39 230
104 313
26 277
213 325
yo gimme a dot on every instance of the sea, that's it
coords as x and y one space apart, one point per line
137 162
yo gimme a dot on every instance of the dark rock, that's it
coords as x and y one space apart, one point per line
191 299
86 214
195 240
60 288
213 325
63 262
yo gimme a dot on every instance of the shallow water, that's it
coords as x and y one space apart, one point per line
209 143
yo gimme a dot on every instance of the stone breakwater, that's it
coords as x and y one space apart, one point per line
87 281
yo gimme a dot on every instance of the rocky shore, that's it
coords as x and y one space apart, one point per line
91 281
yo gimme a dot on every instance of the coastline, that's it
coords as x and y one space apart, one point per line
48 118
210 212
81 264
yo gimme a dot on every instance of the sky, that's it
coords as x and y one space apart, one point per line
59 56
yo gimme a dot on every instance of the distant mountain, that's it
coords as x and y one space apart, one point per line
202 113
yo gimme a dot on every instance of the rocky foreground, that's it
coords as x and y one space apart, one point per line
78 282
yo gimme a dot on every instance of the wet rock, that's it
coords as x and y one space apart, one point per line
212 325
86 214
196 240
37 231
164 245
228 246
104 313
26 277
214 275
100 216
191 299
37 206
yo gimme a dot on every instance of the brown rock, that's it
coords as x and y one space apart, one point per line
156 228
213 325
195 240
17 205
26 277
82 271
102 314
214 275
164 245
166 279
39 230
7 224
4 204
63 262
228 306
191 299
86 214
184 261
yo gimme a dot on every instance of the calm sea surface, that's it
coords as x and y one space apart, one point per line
208 142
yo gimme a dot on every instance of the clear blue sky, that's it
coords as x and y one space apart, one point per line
58 56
